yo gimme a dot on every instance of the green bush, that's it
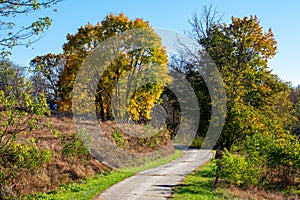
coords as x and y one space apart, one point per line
73 145
278 154
118 138
277 157
197 142
17 158
238 170
27 155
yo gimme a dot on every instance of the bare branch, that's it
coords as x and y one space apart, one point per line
203 23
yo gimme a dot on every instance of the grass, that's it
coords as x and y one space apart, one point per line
89 188
198 185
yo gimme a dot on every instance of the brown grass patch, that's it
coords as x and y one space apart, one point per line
63 168
254 193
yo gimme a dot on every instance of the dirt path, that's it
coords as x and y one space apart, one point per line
157 183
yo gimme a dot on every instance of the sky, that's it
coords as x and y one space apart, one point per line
281 16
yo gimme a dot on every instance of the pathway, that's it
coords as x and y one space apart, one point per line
157 183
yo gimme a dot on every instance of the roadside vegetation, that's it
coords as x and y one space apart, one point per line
89 188
200 185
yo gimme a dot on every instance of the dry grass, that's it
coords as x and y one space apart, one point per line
255 193
64 168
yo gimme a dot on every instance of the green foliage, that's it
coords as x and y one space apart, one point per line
73 146
197 142
17 158
264 160
295 98
257 100
259 110
26 155
13 34
20 113
278 156
239 170
119 138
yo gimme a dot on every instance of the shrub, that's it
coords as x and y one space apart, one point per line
17 158
20 113
277 157
118 138
73 146
197 142
279 154
238 170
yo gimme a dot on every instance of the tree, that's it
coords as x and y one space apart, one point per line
191 72
188 64
20 112
295 99
257 100
122 71
11 34
12 80
46 72
295 94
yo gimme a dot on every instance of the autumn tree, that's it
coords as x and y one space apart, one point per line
257 100
123 70
259 111
46 71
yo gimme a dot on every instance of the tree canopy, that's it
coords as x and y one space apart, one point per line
46 72
127 66
257 100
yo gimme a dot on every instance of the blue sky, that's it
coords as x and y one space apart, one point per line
281 16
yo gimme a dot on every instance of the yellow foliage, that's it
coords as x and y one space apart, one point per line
125 76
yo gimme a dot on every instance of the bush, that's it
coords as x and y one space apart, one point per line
17 158
118 138
277 157
278 154
197 142
238 170
26 155
73 146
